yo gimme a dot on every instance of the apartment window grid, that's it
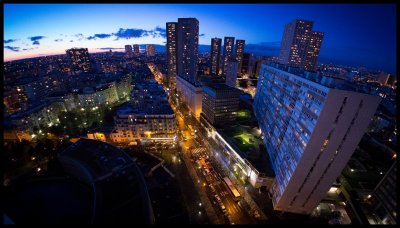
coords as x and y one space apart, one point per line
337 151
282 97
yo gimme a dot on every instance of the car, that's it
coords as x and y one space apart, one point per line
217 198
212 188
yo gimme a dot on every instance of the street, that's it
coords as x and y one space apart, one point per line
191 141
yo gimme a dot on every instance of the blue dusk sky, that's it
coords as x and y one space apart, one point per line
354 34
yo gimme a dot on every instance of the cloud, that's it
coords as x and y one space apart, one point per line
130 33
108 48
35 39
100 36
10 41
202 34
58 40
159 32
80 36
71 41
27 49
16 49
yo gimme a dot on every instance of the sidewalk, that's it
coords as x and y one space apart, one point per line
248 201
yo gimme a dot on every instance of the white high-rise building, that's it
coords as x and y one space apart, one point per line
310 132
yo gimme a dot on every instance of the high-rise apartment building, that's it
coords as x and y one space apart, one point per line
172 41
231 73
128 50
239 52
300 45
228 53
310 132
247 64
220 104
215 55
188 42
150 50
79 59
314 47
136 49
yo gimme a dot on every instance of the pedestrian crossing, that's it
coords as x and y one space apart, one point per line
199 150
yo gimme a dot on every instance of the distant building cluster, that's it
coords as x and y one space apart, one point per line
300 45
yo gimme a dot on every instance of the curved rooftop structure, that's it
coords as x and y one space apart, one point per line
119 188
103 185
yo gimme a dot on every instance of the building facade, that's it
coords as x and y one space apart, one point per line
220 104
79 59
128 50
41 115
150 50
172 41
300 45
231 73
310 132
188 44
229 43
191 95
130 127
147 117
247 64
239 52
215 55
136 50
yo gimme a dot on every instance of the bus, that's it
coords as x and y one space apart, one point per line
233 190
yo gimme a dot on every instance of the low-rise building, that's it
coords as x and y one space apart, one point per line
25 122
191 94
148 116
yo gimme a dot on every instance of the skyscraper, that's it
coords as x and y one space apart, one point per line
128 50
300 45
171 52
310 132
247 64
150 50
231 73
228 52
136 49
79 59
239 52
215 55
188 42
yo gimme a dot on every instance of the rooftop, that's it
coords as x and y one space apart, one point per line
316 77
220 87
246 141
117 180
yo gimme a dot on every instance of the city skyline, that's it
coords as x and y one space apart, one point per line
32 30
164 135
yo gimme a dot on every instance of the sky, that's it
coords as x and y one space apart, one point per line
354 34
